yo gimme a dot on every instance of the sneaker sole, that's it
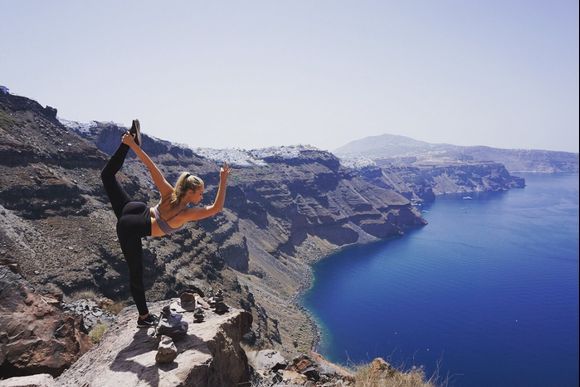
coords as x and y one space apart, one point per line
136 131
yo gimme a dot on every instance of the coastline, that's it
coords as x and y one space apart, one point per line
308 282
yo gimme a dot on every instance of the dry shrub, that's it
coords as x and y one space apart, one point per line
86 294
113 307
379 373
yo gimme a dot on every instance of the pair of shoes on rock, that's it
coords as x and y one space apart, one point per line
149 321
136 132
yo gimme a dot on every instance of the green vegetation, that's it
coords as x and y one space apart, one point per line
96 334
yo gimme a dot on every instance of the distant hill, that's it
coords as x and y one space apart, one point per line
401 150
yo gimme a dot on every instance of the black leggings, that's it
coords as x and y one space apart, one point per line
133 223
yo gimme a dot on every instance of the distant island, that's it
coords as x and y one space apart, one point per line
388 149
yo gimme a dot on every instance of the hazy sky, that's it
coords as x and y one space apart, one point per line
249 74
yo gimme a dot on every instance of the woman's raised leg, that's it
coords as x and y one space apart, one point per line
117 195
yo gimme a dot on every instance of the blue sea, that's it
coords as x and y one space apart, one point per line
485 295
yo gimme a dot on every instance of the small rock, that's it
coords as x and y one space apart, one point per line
221 308
188 301
200 301
167 351
198 315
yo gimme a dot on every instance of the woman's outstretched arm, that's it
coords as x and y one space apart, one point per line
218 204
162 185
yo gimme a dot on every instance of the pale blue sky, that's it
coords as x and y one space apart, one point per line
258 73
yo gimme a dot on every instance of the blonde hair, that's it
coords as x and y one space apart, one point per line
184 182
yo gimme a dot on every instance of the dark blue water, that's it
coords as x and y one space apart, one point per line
487 292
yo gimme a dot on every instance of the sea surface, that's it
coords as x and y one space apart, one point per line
485 295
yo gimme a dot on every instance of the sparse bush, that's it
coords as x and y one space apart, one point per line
96 334
379 373
86 294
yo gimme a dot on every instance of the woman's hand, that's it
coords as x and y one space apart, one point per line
128 140
225 171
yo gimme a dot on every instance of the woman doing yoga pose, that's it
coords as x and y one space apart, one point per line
136 220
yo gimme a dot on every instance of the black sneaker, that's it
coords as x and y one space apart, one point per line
149 321
136 132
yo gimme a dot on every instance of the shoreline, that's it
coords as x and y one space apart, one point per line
307 283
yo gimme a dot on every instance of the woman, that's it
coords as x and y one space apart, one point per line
136 220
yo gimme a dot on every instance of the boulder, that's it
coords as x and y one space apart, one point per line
36 336
266 360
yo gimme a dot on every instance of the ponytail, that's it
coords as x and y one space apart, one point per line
184 182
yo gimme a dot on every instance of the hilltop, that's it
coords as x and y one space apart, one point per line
388 149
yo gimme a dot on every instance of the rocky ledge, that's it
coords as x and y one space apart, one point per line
209 355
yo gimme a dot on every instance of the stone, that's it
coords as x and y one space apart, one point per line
167 351
38 380
301 363
201 302
218 303
175 307
332 370
266 360
198 315
171 324
221 308
188 301
311 373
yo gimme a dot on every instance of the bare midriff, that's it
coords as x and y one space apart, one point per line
156 231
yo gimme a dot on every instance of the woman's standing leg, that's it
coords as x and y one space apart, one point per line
133 252
135 223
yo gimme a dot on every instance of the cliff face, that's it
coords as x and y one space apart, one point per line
280 216
449 178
